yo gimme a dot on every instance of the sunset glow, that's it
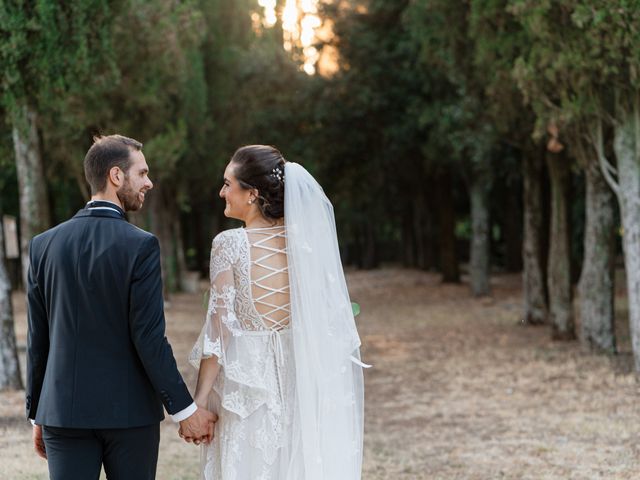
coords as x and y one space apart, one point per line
269 12
299 24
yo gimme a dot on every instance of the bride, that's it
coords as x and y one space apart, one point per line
278 355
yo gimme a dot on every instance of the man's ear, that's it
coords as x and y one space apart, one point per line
116 176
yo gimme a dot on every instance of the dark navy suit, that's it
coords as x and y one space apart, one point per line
98 361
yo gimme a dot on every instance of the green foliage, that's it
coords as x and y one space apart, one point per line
367 123
56 57
50 51
166 149
581 52
423 85
458 46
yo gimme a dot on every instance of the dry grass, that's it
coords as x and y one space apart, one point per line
459 390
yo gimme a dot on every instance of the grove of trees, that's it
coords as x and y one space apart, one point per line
459 136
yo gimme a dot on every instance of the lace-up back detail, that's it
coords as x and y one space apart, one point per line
269 275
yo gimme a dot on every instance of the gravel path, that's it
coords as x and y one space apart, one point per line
459 390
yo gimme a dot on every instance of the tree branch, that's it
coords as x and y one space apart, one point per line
608 170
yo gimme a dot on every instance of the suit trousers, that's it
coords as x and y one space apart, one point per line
78 454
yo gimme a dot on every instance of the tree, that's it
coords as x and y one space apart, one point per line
48 51
9 366
596 285
377 179
159 79
533 276
442 29
566 76
559 265
499 40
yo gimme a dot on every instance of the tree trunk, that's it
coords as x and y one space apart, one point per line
513 229
627 149
428 240
447 225
369 251
34 205
415 233
423 228
559 267
181 260
596 286
198 238
426 254
479 263
409 246
10 378
161 227
535 305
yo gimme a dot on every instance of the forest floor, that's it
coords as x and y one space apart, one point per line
459 389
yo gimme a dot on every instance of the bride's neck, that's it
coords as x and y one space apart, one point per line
258 221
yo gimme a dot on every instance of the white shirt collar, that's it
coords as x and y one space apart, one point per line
106 201
105 208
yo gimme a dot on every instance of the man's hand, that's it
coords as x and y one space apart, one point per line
198 427
38 442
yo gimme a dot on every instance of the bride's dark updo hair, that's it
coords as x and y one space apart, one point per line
262 167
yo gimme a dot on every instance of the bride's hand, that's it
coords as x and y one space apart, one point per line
208 438
199 427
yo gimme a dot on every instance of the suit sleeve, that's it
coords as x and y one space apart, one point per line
37 337
147 328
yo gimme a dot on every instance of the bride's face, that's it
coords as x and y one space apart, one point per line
236 198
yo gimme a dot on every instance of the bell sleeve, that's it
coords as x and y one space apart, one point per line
220 322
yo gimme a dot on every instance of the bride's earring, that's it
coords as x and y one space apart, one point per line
250 202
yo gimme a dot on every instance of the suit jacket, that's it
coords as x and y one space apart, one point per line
97 355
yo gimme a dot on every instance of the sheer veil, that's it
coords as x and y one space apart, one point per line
329 417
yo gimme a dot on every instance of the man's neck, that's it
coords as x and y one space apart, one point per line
107 197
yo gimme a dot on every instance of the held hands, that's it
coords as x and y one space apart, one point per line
198 427
38 442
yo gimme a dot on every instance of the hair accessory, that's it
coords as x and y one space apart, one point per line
278 173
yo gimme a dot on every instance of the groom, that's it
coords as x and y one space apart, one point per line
99 367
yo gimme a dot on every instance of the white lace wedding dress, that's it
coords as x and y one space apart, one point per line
247 328
290 392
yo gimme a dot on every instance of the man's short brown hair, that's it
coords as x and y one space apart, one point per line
107 152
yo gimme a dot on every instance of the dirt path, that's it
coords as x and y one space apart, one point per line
458 390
